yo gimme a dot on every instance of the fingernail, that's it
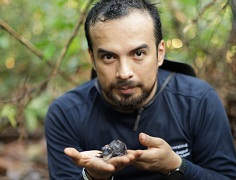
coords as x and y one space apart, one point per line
143 136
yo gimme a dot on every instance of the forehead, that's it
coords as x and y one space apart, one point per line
136 25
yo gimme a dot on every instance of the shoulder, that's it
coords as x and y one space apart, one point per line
72 107
78 96
193 99
186 86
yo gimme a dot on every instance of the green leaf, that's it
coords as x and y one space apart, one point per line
49 51
8 111
4 42
31 120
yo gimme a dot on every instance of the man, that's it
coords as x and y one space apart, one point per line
174 125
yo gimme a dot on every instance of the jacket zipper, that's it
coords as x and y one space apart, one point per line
141 109
138 119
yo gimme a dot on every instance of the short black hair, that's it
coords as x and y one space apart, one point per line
114 9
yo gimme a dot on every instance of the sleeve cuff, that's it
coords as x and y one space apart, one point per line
86 177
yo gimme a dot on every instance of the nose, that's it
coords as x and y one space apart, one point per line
124 70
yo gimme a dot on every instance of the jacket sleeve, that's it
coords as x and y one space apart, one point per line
60 133
214 150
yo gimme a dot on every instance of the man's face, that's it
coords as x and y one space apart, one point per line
126 59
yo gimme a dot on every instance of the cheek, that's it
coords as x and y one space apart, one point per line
148 74
147 71
105 77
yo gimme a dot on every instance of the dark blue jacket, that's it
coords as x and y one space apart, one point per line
188 114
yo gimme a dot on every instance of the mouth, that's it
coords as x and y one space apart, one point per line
126 90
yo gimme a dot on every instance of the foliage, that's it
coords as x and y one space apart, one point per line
47 25
8 112
35 111
31 76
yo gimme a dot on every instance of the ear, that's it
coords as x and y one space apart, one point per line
161 52
92 59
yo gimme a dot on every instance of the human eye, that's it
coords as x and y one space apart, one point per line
108 58
139 55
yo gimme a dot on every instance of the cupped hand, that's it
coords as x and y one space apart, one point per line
158 156
99 168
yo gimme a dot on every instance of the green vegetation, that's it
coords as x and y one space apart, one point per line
43 50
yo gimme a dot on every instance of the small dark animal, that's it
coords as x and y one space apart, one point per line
115 148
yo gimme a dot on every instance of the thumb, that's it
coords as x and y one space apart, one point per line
72 152
149 141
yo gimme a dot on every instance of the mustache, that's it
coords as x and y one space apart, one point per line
121 84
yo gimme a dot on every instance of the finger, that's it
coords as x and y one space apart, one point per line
150 141
136 153
119 162
88 159
78 159
72 152
127 159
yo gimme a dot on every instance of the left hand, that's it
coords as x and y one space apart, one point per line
158 156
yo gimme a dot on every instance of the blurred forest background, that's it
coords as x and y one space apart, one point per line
43 53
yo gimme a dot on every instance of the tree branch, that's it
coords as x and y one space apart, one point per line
39 54
73 35
208 6
232 4
31 47
20 38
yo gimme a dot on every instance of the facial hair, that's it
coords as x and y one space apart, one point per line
127 102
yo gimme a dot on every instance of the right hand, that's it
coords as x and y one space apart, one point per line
97 167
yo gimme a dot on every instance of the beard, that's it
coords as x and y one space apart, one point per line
127 102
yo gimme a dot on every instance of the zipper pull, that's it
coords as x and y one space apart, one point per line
138 119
